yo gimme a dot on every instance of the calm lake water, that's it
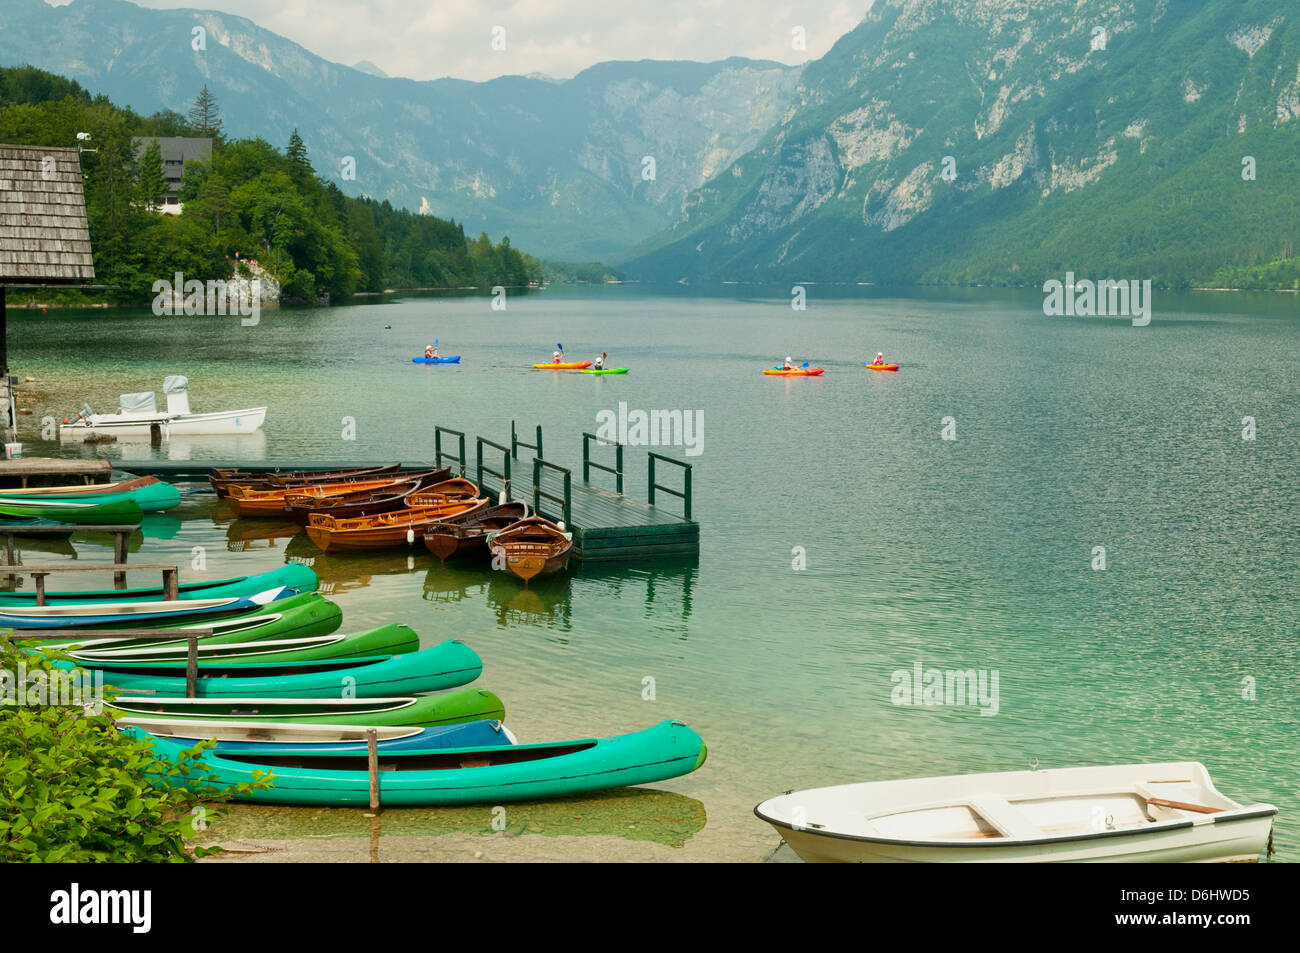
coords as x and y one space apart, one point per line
973 553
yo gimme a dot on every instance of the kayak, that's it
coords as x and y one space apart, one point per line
85 513
607 370
149 493
291 576
447 665
488 774
443 708
436 360
385 640
563 366
252 737
296 617
882 367
795 372
123 613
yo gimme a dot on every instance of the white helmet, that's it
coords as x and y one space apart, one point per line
789 359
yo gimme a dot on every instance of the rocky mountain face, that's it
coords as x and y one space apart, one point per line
559 166
1006 141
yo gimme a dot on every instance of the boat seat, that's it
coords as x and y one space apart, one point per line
1003 815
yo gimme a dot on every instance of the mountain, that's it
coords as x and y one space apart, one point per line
556 165
369 68
1108 137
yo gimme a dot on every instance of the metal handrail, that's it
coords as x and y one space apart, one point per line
588 465
437 447
684 494
516 443
504 477
565 502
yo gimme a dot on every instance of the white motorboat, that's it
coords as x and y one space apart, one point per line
1163 813
139 416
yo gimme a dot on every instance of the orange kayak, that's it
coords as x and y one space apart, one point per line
795 372
882 367
563 366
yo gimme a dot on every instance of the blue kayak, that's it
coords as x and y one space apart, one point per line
436 360
243 737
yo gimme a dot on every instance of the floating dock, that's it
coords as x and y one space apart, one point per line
606 523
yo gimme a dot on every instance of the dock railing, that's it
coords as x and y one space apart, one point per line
437 447
503 474
516 443
684 494
588 464
565 502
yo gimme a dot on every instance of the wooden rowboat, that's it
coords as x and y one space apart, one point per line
1128 812
223 479
467 534
532 547
384 530
246 501
457 488
301 503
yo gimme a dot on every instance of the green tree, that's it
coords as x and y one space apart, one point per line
152 183
205 115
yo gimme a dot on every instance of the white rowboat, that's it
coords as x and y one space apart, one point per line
1160 813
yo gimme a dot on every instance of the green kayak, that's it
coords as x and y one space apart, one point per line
418 711
294 575
606 370
447 665
171 659
297 617
490 775
68 511
149 493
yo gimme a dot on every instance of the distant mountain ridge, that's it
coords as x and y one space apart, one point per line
556 165
969 141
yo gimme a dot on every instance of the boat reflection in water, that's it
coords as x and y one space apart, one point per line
635 814
344 572
546 600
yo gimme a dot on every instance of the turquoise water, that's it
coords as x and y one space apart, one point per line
973 553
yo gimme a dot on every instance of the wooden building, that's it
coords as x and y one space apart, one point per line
44 236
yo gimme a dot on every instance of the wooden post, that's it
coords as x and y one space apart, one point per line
192 665
4 335
372 750
119 557
171 584
39 577
9 549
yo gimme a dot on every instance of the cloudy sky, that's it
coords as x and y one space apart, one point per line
427 39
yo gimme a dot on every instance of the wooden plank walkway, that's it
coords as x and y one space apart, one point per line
51 471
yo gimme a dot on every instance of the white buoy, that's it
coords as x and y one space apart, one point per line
563 528
410 536
502 499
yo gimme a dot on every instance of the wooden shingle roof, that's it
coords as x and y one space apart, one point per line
43 232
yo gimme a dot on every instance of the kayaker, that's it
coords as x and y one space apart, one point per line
557 357
880 358
788 365
428 351
600 363
435 351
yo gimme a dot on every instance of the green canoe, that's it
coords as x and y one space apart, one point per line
294 575
149 493
297 617
490 775
417 711
67 511
447 665
607 370
171 659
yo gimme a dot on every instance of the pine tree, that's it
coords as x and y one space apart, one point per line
205 116
151 183
299 164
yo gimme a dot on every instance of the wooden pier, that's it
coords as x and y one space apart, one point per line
606 524
51 471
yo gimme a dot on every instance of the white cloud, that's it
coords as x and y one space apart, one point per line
428 39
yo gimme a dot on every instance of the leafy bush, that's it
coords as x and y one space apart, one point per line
75 789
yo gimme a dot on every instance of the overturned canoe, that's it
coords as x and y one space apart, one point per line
149 493
85 513
294 578
126 614
489 774
441 708
447 665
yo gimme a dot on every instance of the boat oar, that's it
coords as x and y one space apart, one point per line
1184 806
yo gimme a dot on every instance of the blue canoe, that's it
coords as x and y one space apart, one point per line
436 360
243 737
124 613
449 664
291 576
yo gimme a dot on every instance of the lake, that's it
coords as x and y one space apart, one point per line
844 540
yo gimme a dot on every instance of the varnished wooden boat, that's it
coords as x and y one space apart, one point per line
384 530
300 503
223 479
272 502
531 548
467 534
457 488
